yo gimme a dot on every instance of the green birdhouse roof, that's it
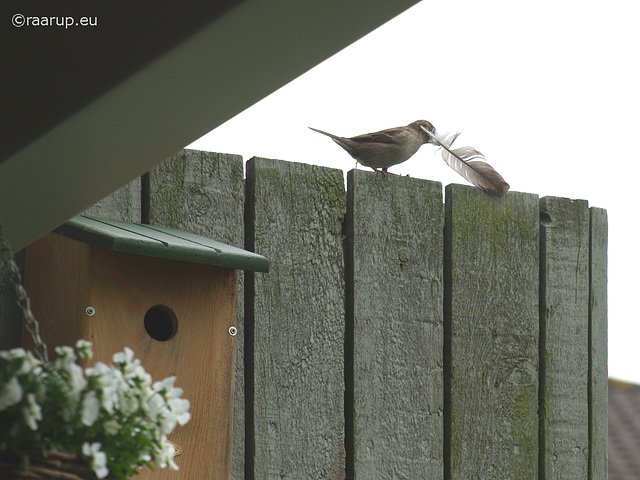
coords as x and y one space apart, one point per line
160 242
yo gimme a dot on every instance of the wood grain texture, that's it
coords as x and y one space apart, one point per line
297 312
491 335
122 288
124 204
201 354
564 297
394 322
203 193
200 192
598 381
56 271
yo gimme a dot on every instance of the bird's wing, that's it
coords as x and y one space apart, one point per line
385 136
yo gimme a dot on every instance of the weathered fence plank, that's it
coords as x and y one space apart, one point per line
297 312
203 193
124 204
491 335
564 308
394 321
598 385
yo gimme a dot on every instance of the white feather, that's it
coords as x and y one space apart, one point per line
471 164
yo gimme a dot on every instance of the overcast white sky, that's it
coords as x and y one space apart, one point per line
547 90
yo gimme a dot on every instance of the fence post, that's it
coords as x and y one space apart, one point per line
491 335
203 193
394 323
598 374
564 311
295 319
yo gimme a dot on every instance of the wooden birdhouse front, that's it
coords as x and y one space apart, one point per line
168 295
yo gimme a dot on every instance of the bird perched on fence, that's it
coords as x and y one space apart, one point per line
383 149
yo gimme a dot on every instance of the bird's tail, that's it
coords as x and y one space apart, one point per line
335 137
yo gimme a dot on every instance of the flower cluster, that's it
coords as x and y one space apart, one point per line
114 415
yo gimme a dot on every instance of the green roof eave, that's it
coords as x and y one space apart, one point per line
160 242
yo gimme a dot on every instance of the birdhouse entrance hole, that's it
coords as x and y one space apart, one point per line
160 323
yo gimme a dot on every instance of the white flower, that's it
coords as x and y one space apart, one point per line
29 362
180 408
145 457
168 422
84 350
98 370
140 376
77 382
66 362
128 404
154 405
108 399
11 394
110 381
165 456
126 363
32 412
124 357
121 396
66 356
166 387
97 458
90 408
13 353
111 427
166 406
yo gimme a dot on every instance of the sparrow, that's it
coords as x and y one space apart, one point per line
383 149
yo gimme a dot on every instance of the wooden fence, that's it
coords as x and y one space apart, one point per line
397 335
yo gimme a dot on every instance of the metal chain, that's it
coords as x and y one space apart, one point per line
31 324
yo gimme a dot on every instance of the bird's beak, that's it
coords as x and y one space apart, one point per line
432 135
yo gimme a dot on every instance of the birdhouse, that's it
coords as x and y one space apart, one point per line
168 295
